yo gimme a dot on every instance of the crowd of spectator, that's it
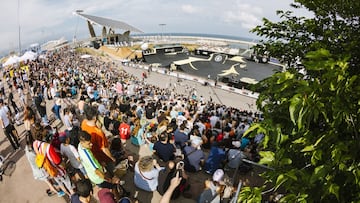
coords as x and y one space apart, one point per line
102 110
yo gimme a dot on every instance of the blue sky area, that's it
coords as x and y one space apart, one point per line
43 20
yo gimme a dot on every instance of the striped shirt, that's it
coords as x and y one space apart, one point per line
90 164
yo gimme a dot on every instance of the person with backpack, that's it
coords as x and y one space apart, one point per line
49 159
39 173
193 155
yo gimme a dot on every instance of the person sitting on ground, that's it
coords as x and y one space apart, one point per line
219 189
235 157
170 172
117 150
173 185
180 137
124 130
84 191
216 158
193 155
164 149
146 173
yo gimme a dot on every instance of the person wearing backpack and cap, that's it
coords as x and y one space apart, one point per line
193 155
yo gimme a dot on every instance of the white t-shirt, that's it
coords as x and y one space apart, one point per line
3 115
72 154
90 92
67 122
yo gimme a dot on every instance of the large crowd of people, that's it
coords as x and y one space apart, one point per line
102 109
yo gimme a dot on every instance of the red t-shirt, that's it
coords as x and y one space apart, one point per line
124 131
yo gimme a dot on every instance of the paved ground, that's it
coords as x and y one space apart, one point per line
22 188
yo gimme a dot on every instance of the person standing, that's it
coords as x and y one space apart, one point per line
100 144
41 106
12 102
8 128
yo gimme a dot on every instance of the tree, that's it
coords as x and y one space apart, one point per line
335 27
312 124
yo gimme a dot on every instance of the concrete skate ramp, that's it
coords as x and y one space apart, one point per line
122 52
164 59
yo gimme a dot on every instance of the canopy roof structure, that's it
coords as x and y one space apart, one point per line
106 22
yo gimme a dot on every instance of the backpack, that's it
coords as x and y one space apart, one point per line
187 165
42 161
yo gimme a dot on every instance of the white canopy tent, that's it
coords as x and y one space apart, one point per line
29 55
11 60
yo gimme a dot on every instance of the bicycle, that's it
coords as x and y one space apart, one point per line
7 167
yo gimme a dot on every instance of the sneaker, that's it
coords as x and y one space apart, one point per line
61 193
50 193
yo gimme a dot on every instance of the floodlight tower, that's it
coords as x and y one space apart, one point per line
162 25
18 18
77 23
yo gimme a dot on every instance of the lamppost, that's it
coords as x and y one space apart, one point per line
18 18
162 25
77 23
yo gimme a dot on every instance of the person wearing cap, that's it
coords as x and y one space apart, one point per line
235 157
194 156
9 130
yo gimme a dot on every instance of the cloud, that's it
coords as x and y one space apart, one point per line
189 9
43 20
247 15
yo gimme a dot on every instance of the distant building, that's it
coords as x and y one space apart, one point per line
35 48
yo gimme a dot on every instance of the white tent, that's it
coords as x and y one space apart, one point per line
29 55
11 60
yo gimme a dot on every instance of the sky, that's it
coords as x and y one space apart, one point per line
43 20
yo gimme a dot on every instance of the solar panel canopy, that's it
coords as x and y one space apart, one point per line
114 24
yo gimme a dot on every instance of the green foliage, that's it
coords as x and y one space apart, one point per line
334 26
311 130
250 195
311 124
